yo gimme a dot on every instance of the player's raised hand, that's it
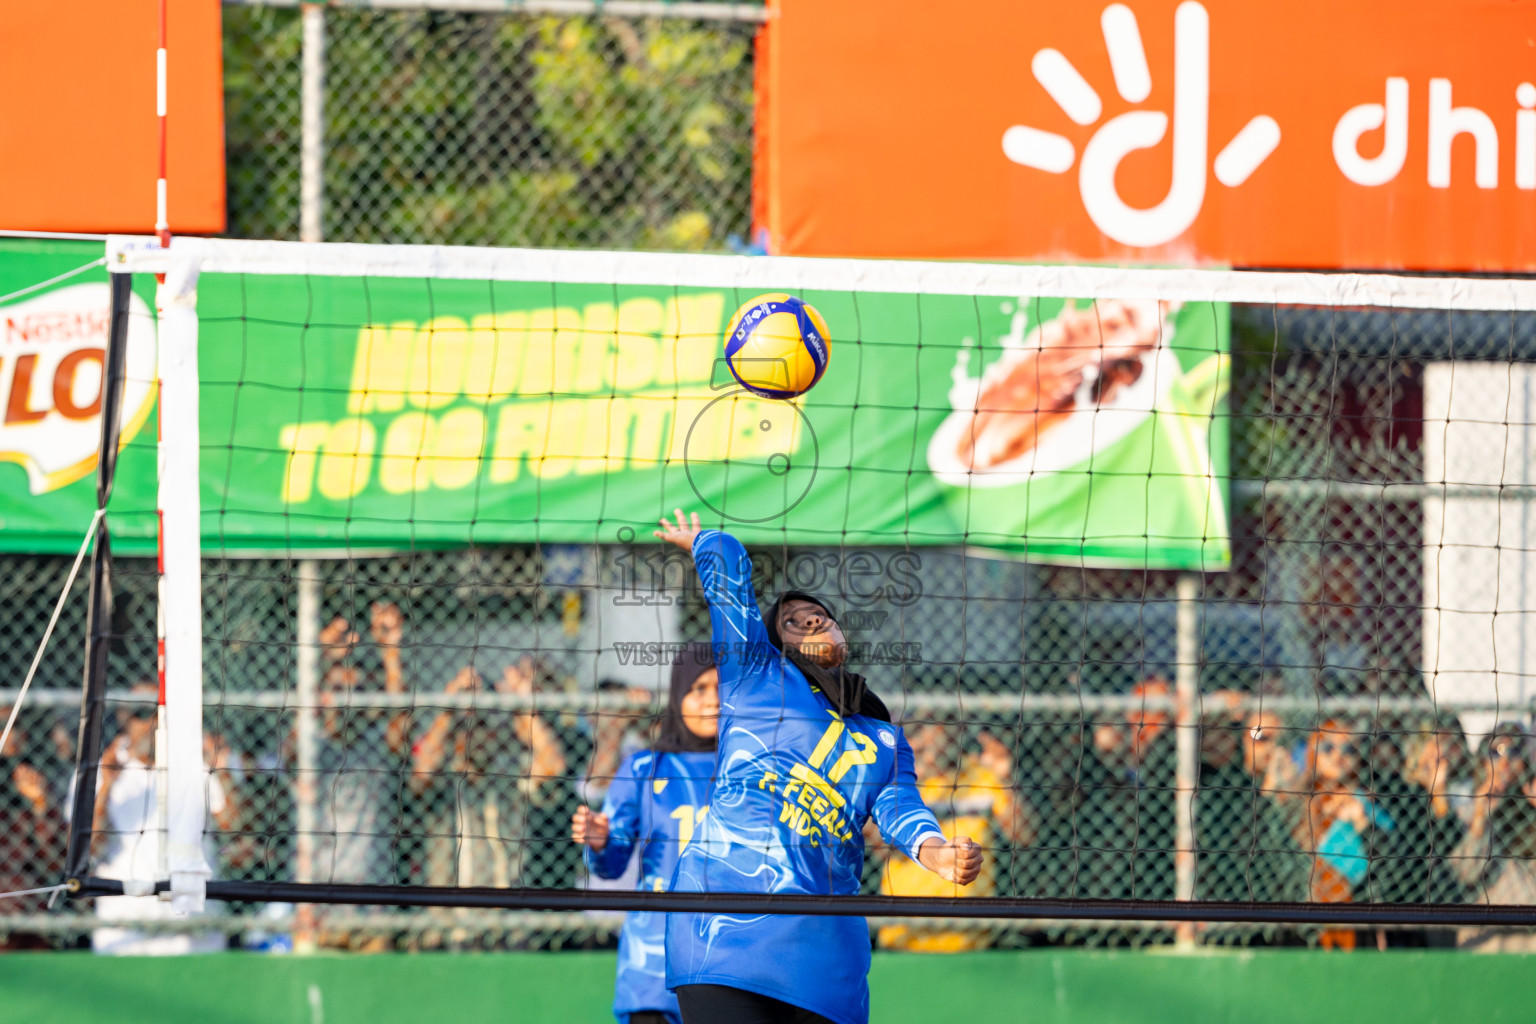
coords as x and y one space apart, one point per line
682 532
958 860
589 828
517 680
467 681
337 639
386 624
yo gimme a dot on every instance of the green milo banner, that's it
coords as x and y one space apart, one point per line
381 413
52 354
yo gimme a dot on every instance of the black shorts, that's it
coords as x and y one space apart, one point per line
721 1004
649 1017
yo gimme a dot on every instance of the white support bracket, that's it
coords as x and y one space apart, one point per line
180 509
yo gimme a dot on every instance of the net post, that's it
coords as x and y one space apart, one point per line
312 124
306 757
100 602
1187 753
179 761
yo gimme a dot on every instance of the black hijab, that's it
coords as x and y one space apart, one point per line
848 691
675 737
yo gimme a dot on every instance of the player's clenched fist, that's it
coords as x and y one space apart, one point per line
590 828
958 860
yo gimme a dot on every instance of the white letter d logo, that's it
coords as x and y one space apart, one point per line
1141 129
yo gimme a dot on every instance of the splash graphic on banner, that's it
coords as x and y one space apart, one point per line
1089 399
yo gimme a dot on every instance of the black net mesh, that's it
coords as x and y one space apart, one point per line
469 694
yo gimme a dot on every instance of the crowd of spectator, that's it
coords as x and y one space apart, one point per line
32 824
447 793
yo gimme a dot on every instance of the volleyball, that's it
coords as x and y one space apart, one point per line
777 346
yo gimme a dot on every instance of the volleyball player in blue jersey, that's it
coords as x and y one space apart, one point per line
655 804
806 755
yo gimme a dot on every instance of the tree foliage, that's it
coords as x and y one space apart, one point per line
497 129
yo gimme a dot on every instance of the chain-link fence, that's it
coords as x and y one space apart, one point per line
465 128
1042 706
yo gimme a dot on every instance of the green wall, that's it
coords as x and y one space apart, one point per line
1047 987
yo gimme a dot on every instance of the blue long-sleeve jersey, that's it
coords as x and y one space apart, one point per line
794 784
654 805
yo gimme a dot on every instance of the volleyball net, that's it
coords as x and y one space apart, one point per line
1199 594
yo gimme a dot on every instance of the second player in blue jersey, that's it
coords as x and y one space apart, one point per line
653 809
807 754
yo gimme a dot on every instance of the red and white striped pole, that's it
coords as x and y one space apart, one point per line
163 232
162 218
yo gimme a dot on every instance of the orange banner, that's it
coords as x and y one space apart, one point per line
79 136
1310 133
